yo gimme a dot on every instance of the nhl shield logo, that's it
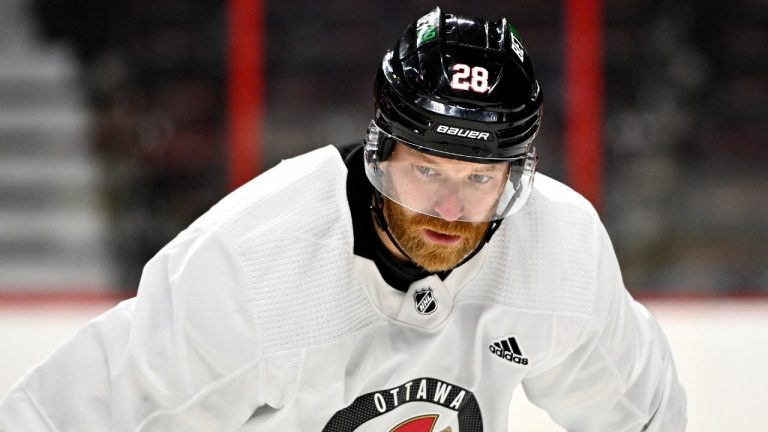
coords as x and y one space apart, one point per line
425 301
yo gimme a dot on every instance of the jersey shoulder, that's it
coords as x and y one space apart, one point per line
546 256
548 192
288 240
300 196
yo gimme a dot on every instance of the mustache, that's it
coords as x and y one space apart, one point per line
455 228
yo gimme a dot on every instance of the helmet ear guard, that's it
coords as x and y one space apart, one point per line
378 144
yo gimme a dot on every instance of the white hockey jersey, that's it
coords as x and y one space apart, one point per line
259 317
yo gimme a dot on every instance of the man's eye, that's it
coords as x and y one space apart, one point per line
425 171
479 178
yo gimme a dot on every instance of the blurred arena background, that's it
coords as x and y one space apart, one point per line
122 121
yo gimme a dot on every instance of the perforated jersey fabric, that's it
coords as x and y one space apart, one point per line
259 317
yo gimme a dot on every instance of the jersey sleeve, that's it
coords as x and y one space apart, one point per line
619 375
183 355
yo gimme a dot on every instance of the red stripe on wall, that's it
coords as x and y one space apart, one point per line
62 296
583 98
245 88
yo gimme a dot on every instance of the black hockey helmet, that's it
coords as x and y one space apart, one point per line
458 88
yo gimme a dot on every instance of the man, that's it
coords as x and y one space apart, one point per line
416 300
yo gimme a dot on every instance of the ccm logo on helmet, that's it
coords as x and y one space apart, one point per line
464 133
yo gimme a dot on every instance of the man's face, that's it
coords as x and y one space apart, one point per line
445 205
448 189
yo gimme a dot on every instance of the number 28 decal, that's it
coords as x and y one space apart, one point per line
469 78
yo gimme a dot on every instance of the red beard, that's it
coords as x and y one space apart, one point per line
408 228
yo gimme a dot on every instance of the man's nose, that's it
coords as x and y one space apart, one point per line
450 206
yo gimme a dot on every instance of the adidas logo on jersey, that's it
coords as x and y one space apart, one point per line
508 349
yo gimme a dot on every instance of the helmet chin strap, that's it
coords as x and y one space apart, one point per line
377 208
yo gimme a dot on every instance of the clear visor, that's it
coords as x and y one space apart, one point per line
445 187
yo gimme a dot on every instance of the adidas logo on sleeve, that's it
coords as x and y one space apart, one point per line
508 349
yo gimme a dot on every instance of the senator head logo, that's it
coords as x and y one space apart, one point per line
424 423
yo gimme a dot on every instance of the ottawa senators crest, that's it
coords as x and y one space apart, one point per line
419 405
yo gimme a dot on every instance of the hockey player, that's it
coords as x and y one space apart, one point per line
408 283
